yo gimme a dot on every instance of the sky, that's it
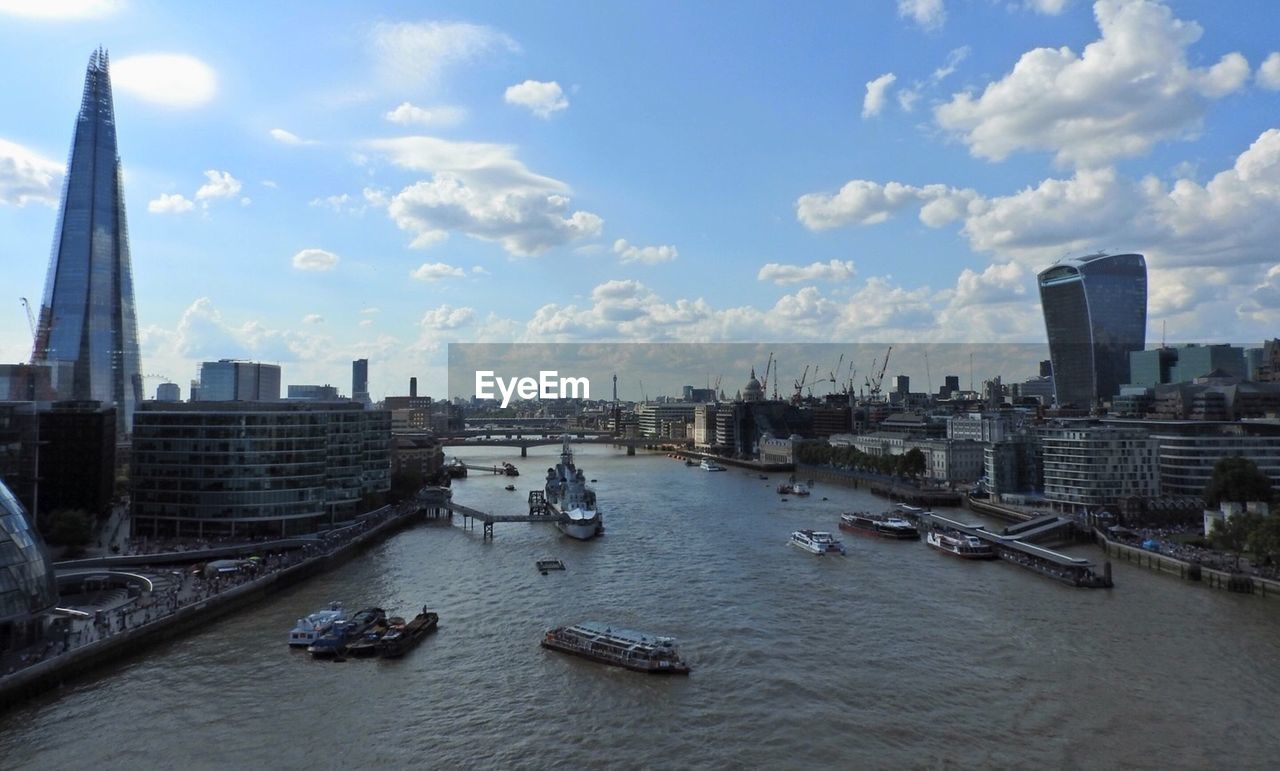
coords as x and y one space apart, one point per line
309 183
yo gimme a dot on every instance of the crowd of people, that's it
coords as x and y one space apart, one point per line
1173 542
175 590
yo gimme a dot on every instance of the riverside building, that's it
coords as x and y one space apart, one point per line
248 468
1087 467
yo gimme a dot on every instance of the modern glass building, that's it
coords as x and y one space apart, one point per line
27 584
1095 315
227 380
87 318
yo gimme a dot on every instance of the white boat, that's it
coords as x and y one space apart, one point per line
960 545
568 495
709 465
799 489
313 627
817 542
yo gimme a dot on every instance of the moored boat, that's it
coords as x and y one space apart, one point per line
401 639
311 628
625 648
335 641
879 525
817 542
959 544
568 496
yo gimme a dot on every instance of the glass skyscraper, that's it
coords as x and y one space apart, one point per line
87 320
1095 314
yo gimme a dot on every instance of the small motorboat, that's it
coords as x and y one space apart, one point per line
510 488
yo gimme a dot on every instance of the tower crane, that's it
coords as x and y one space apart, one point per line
31 317
800 384
874 385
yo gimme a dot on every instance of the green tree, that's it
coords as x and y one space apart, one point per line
1264 540
1238 479
914 463
72 528
404 485
1233 533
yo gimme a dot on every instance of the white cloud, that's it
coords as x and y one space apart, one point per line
780 274
877 90
1228 221
907 99
1126 91
172 80
483 191
370 311
220 185
446 317
366 322
407 114
313 318
60 10
245 200
271 183
648 255
1269 73
335 203
479 270
27 176
289 138
170 203
929 14
1047 7
315 260
415 55
541 98
954 58
437 271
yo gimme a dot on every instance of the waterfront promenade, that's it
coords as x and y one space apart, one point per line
174 599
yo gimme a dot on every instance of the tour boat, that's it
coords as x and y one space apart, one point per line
625 648
960 545
311 628
709 465
816 541
879 525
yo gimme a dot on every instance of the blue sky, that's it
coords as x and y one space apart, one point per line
310 183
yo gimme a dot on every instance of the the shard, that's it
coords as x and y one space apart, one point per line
87 330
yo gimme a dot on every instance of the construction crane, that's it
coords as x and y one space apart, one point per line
800 385
643 394
764 384
31 317
873 386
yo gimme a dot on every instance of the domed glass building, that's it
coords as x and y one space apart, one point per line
27 584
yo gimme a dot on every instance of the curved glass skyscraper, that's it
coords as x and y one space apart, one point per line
1095 314
87 326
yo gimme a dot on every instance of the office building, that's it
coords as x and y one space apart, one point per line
228 380
360 381
168 392
1186 363
315 393
256 468
1095 315
1087 467
87 318
77 458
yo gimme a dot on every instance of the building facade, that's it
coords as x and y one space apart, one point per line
249 468
28 589
1095 315
227 380
315 393
87 318
1088 466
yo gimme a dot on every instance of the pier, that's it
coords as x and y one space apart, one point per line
1013 547
539 511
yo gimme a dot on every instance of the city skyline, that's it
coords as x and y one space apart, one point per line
387 181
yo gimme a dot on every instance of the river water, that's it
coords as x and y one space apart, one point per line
893 656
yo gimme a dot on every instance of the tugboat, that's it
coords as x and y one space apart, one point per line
400 640
879 525
625 648
568 496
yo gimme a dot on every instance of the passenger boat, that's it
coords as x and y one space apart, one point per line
792 488
817 542
619 647
960 545
311 628
709 465
879 525
335 641
509 488
400 640
568 496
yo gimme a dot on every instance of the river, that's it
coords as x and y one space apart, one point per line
892 656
